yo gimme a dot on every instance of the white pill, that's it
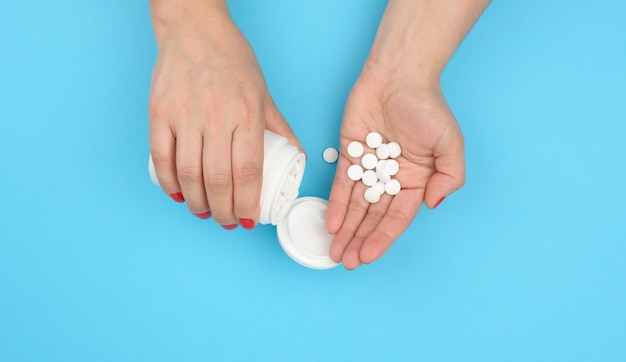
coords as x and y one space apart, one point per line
374 139
382 152
330 155
394 149
383 176
392 187
392 167
381 165
371 195
369 178
355 149
380 187
355 172
369 161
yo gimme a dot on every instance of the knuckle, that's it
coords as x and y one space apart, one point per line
400 217
189 173
160 158
375 214
218 180
247 172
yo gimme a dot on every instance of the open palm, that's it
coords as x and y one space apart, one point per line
432 163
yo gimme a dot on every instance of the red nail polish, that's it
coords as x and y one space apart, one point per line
230 227
204 215
247 224
439 202
178 197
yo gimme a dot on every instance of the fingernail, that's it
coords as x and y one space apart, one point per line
247 224
204 215
439 202
178 197
230 227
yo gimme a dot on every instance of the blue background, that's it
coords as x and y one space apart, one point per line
525 263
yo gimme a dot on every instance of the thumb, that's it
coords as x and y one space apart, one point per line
449 174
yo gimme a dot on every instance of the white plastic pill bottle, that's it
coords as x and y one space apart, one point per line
300 221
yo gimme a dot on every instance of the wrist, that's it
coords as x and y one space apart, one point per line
403 47
189 19
416 38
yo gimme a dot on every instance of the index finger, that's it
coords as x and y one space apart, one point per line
339 196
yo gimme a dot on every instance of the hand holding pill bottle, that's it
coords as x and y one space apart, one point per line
397 101
209 107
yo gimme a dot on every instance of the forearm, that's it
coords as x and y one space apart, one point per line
416 38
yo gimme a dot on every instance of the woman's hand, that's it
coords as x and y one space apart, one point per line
209 106
398 95
432 164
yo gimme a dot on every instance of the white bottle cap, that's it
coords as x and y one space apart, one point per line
302 233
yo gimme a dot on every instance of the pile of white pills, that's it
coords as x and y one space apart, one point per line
376 170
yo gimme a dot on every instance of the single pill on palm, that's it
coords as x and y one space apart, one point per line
374 139
380 187
369 161
330 155
369 178
383 176
392 167
371 195
355 172
393 187
355 149
382 152
394 149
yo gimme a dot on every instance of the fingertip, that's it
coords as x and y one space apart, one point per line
439 187
337 248
369 255
178 197
351 263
